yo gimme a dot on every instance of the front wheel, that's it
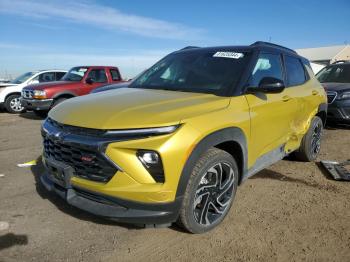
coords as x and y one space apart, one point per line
210 191
13 104
311 143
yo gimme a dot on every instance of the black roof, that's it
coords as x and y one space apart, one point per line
260 45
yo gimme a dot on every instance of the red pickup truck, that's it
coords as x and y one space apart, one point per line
80 80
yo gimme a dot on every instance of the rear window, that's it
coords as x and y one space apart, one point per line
115 75
295 71
336 74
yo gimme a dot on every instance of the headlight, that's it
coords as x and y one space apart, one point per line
345 95
144 131
39 94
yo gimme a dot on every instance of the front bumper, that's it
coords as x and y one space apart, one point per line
339 110
36 104
106 206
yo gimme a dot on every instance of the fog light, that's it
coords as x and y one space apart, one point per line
150 158
152 162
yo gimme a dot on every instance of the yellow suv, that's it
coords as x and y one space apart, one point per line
174 145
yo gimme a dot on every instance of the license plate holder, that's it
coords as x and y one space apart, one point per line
60 173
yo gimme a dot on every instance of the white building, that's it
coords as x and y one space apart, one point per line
326 55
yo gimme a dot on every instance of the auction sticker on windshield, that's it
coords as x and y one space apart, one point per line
233 55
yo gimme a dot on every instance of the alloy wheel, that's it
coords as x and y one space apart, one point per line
214 194
316 139
15 104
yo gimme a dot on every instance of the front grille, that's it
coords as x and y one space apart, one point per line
331 96
27 93
87 164
75 129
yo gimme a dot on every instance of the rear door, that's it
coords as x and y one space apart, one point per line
59 75
306 91
272 115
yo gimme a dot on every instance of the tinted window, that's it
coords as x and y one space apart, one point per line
338 74
47 77
59 75
98 75
203 71
295 71
267 65
115 75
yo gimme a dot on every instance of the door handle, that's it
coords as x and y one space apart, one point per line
286 98
314 92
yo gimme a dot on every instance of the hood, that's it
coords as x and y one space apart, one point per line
336 86
46 85
110 87
135 108
7 84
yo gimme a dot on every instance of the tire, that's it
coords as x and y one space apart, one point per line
311 142
206 202
40 113
13 104
58 101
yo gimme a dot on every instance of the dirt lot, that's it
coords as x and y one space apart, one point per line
289 212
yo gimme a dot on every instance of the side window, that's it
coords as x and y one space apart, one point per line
59 75
98 75
47 77
268 65
115 75
295 71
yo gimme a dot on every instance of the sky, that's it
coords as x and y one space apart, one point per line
134 34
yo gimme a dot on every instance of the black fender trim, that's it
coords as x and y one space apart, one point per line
64 93
323 107
234 134
322 112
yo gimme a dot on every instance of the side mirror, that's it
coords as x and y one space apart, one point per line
89 80
268 85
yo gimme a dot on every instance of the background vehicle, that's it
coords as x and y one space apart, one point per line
10 93
110 87
336 80
78 81
175 144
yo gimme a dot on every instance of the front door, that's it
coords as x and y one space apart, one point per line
272 115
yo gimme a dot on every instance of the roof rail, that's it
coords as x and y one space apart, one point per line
272 45
189 47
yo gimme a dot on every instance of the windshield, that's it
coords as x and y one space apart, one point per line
22 78
200 71
76 74
337 74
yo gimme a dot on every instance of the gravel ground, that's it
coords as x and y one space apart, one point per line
289 212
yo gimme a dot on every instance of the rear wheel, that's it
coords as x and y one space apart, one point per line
13 104
210 191
311 143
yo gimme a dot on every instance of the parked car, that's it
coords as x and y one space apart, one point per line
10 93
336 80
110 87
78 81
177 142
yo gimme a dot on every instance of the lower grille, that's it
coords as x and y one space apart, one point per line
86 164
331 96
